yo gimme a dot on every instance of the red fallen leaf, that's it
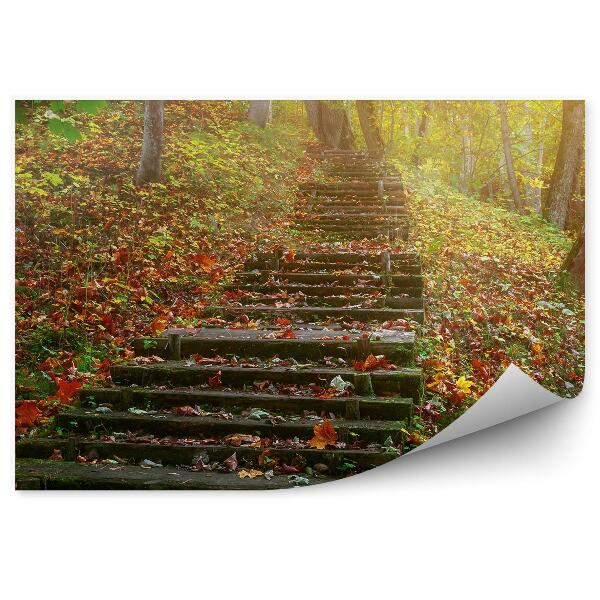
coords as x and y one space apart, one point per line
286 334
203 261
184 410
169 255
66 390
281 321
81 459
288 469
159 324
27 414
231 463
260 386
103 368
215 360
121 256
56 455
215 380
289 256
109 323
373 362
325 435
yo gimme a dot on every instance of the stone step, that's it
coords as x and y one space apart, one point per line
322 290
307 344
356 280
313 266
317 313
405 381
84 421
52 475
382 408
381 301
185 454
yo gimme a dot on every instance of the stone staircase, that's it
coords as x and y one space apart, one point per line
303 373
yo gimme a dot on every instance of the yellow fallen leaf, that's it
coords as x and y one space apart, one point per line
252 473
464 385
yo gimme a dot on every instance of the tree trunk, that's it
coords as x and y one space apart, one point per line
330 125
149 169
370 129
530 189
259 112
510 168
567 160
537 201
574 262
422 129
468 161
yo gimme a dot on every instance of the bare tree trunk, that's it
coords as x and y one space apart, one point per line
370 129
510 168
422 129
528 133
149 169
330 125
259 112
392 124
567 160
468 161
537 200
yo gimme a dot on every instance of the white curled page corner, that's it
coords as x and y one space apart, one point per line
514 394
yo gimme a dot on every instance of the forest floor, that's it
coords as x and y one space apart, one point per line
99 262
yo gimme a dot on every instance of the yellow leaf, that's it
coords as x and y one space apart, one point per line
252 473
464 385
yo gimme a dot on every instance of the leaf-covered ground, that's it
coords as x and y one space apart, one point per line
99 261
495 296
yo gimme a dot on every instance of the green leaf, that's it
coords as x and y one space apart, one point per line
89 106
64 129
54 178
20 113
57 105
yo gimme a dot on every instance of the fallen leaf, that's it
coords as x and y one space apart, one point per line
325 435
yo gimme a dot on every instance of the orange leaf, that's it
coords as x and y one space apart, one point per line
283 322
373 362
66 390
204 261
325 435
286 334
27 414
289 256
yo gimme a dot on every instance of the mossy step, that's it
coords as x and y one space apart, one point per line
318 313
308 344
52 475
313 266
85 421
320 290
405 382
316 278
393 408
180 454
373 301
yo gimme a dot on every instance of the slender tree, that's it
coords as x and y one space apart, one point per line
568 161
259 112
149 169
330 125
369 126
510 167
422 129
